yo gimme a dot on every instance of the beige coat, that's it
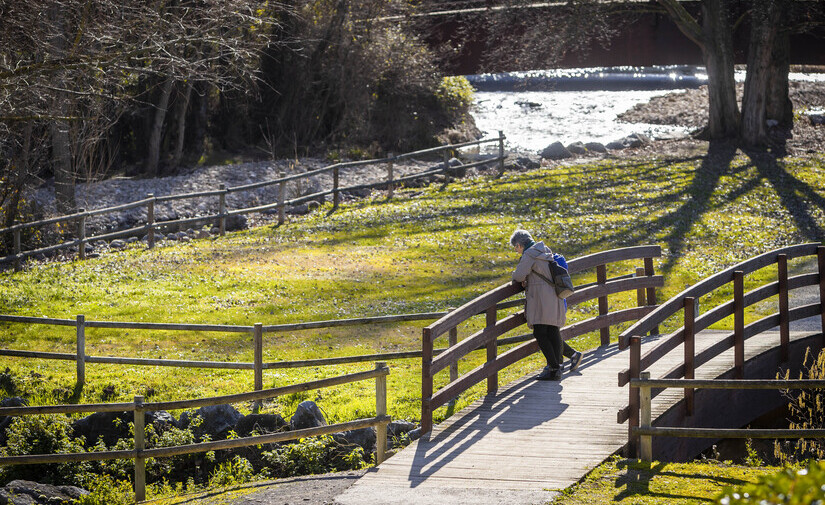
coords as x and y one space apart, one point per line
543 306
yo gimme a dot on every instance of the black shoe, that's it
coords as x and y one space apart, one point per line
575 360
549 375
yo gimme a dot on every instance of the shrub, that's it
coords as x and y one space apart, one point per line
238 470
105 490
455 94
807 411
791 487
313 456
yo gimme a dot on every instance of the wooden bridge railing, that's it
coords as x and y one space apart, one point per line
140 453
686 303
643 280
79 218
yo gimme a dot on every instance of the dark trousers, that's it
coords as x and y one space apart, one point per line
551 345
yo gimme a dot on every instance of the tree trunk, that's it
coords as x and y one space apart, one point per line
152 163
723 120
757 82
59 128
780 107
183 106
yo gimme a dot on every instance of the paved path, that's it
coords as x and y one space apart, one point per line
531 439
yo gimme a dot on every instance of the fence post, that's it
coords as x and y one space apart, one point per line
784 320
336 196
651 292
645 441
222 210
81 235
150 220
281 200
446 158
17 248
601 278
500 153
390 177
690 349
820 256
80 359
380 410
739 324
633 400
140 462
426 380
259 361
453 339
492 350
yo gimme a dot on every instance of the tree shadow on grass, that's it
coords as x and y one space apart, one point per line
638 476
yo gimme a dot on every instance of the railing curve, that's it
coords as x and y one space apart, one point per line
684 335
643 280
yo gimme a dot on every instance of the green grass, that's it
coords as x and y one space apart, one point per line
425 250
630 482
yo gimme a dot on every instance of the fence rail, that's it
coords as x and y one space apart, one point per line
693 323
644 282
646 431
223 213
139 408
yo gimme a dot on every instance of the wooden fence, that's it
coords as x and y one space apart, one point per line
643 280
646 431
686 303
223 213
140 453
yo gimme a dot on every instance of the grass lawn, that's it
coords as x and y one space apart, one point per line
426 250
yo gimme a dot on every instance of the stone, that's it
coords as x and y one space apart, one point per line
414 434
400 427
236 222
556 151
577 148
298 210
112 426
525 163
24 492
260 423
456 168
92 255
117 244
616 145
359 193
185 238
816 119
215 230
307 415
596 147
312 205
363 437
203 234
218 420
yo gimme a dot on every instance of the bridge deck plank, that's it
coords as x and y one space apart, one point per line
530 439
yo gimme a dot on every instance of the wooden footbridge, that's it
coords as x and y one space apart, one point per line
525 441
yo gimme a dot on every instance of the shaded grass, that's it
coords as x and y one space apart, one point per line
426 250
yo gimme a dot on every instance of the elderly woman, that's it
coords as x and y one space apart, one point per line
546 313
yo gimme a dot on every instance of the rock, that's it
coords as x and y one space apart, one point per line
5 421
577 148
637 140
397 428
298 210
414 434
816 119
185 238
24 492
671 136
92 255
596 147
307 415
359 193
261 423
363 437
456 168
616 145
215 230
132 240
525 163
112 426
236 222
203 234
556 151
117 244
312 205
218 420
89 247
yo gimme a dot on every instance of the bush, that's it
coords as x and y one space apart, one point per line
238 470
313 456
455 94
105 490
807 412
791 487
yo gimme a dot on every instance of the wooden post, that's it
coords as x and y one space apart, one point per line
645 441
222 211
336 196
426 380
640 293
601 278
500 153
80 359
380 410
18 265
633 400
651 292
150 221
784 320
690 349
81 235
281 200
446 158
454 366
738 324
258 334
390 177
492 350
140 462
820 256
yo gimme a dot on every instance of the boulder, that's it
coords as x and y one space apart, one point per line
556 151
112 426
359 193
298 210
236 222
203 234
398 428
218 420
363 437
455 168
577 148
261 423
307 415
24 492
596 147
117 244
525 163
616 145
816 119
